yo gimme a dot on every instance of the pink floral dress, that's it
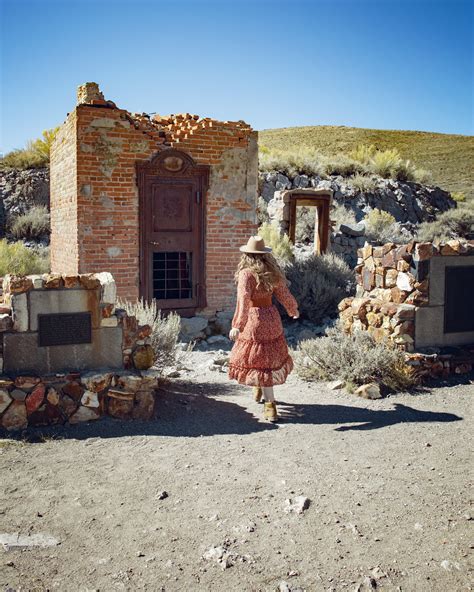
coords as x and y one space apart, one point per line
260 355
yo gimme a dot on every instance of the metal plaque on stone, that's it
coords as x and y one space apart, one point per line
64 328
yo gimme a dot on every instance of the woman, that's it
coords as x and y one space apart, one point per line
260 357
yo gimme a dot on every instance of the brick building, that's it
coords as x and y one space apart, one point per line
161 202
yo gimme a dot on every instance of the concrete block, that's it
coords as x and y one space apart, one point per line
108 287
19 304
23 356
58 301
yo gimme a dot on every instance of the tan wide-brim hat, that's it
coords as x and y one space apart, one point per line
255 244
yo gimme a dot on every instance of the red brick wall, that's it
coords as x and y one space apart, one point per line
109 142
64 245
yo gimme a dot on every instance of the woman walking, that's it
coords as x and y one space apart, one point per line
260 356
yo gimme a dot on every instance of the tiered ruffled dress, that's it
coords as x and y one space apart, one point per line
260 355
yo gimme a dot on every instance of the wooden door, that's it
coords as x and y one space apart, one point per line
172 231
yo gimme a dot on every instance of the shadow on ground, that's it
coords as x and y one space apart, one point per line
183 409
365 419
191 409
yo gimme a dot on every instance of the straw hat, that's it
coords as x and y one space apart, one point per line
255 244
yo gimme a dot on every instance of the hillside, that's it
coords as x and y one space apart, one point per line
449 157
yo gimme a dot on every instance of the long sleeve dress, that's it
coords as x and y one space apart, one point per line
260 355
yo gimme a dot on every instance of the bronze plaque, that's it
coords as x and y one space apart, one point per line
67 328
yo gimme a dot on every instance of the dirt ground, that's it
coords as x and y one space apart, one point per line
388 483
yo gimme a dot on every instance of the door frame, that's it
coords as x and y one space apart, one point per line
172 164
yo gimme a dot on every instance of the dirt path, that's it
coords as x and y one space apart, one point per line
388 482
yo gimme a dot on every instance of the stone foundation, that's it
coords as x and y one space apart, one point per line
72 398
400 299
107 374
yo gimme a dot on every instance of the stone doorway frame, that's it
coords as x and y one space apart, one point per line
320 199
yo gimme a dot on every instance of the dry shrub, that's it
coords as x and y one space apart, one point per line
362 183
262 211
456 223
305 223
381 227
319 283
342 215
23 159
292 162
355 359
389 164
32 225
165 329
280 243
17 259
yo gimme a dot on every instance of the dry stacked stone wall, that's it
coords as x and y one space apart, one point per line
393 285
42 385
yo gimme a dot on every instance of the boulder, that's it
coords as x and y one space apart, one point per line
192 327
369 391
353 229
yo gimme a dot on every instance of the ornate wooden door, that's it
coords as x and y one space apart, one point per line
172 191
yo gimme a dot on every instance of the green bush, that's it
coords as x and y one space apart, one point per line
355 359
280 244
165 330
32 225
381 227
17 259
455 223
319 283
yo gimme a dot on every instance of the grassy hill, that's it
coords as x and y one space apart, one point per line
449 157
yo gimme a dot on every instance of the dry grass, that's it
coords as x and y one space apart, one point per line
449 157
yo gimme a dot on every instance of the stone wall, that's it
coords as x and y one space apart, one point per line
409 203
108 374
20 190
95 218
397 293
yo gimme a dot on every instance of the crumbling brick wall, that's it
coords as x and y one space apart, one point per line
64 231
102 155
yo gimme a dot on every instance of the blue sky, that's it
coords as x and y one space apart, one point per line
387 64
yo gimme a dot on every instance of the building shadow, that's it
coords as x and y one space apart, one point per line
182 410
364 419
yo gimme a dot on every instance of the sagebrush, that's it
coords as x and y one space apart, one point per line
355 359
319 283
455 223
341 215
165 329
280 243
381 227
35 155
17 259
34 224
364 160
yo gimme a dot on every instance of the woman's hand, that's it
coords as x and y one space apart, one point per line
233 334
297 316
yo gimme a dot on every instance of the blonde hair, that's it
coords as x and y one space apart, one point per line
264 267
